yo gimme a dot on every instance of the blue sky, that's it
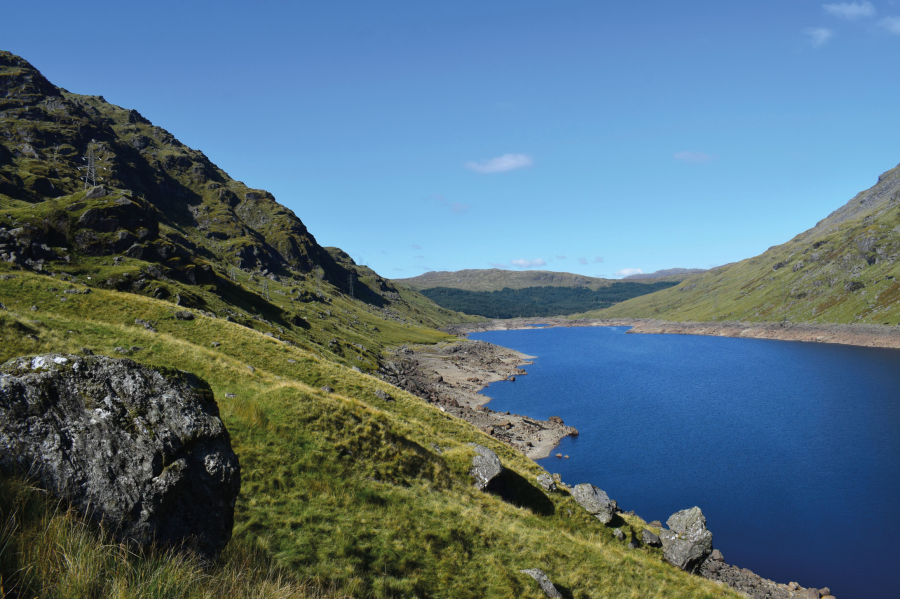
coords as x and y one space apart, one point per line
589 137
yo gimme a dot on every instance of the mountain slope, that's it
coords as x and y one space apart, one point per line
843 270
348 483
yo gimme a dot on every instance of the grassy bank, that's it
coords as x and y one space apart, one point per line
370 497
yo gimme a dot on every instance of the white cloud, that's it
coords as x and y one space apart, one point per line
818 35
850 10
892 24
521 263
693 157
627 272
500 164
597 259
582 260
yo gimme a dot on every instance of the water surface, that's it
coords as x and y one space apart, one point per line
791 449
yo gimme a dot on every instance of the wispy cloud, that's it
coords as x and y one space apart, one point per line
627 272
500 164
582 261
561 258
498 265
892 24
693 157
818 35
416 246
521 263
597 259
850 10
455 207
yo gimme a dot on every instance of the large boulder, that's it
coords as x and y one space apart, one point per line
687 543
595 501
144 450
486 466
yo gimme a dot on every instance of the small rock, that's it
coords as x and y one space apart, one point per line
559 455
356 369
555 420
546 482
86 351
793 586
291 361
34 308
633 543
486 466
135 348
825 592
655 524
121 350
650 538
717 556
215 344
327 389
184 315
619 534
543 581
382 395
230 395
595 501
250 368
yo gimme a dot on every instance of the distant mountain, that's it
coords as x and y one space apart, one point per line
495 279
667 274
843 270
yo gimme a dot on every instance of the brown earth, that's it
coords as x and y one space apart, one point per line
451 375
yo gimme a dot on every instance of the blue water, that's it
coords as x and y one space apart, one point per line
792 450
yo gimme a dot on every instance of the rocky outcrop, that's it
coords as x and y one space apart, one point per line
687 543
753 585
486 466
543 581
595 501
144 450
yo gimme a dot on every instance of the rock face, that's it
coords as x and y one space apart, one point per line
142 449
650 538
687 543
546 483
486 466
595 501
542 580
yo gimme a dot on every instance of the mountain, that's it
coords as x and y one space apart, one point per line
495 279
350 486
497 293
842 270
668 274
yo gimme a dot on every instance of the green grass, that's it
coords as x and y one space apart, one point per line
342 488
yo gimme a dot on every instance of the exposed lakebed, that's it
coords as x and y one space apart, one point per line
791 449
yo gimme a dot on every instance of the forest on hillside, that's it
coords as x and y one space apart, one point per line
538 301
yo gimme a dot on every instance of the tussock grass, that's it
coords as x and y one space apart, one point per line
365 497
47 550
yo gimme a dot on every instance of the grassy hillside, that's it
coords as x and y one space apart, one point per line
495 279
843 270
370 496
538 301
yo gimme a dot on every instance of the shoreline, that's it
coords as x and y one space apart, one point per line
861 335
450 375
715 568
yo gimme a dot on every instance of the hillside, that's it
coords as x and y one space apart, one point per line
539 301
350 486
667 274
495 279
843 270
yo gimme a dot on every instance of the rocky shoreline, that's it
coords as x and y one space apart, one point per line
863 335
450 375
714 566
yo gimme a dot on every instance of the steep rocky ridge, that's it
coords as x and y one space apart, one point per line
843 270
